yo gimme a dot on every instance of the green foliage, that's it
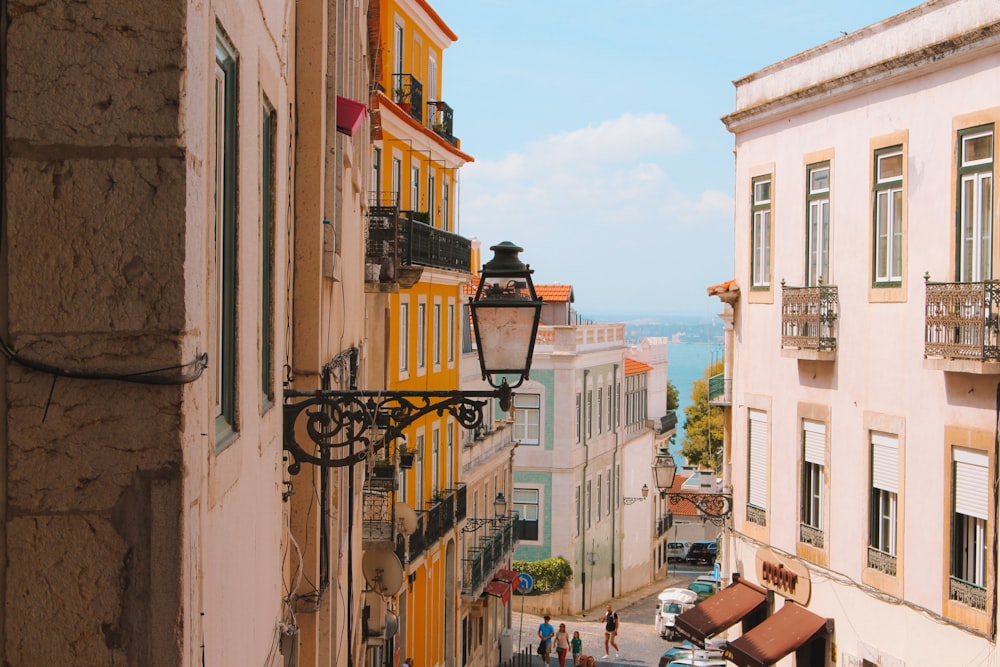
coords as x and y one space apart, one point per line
703 426
550 574
673 396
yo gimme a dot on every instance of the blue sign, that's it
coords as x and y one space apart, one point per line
525 583
717 571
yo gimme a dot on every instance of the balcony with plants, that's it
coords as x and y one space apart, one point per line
961 327
408 93
809 322
441 120
489 545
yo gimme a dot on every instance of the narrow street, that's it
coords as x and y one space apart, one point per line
637 638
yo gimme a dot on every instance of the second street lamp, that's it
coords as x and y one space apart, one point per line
713 506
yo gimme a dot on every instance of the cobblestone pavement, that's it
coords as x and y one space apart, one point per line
637 638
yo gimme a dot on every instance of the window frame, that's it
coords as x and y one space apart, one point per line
975 172
761 217
888 192
421 336
521 497
404 338
522 423
819 241
268 194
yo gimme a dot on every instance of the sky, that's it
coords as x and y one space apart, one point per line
597 138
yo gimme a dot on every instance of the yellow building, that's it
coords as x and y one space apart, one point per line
417 267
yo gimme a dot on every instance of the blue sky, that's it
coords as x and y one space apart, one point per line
595 127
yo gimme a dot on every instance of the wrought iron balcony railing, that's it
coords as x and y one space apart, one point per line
408 93
395 238
493 541
809 317
720 390
881 561
810 535
664 523
961 321
441 120
967 593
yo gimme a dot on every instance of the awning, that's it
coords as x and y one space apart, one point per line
498 589
350 115
787 630
718 612
510 576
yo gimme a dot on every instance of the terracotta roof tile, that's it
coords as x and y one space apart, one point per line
555 293
722 288
633 367
683 507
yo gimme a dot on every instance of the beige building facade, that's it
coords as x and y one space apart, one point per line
862 343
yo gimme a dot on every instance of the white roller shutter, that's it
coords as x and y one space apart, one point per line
758 459
814 435
972 483
885 462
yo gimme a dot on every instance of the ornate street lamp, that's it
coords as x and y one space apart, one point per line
645 494
713 506
346 426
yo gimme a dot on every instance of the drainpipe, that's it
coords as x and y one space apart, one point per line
614 472
583 489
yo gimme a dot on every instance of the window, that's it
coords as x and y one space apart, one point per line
419 502
431 196
883 508
590 505
449 470
813 461
579 417
608 490
600 410
527 411
397 47
451 333
975 204
888 216
377 173
579 510
757 487
437 334
599 497
397 180
446 205
404 337
590 413
267 209
223 347
435 461
969 530
421 335
610 408
761 232
818 232
526 506
415 188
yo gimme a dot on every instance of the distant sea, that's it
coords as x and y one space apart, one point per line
687 363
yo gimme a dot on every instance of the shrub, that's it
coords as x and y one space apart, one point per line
550 574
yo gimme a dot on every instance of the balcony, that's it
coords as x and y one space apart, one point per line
881 561
809 322
664 523
408 93
961 331
811 535
441 121
967 593
434 523
492 543
398 247
720 390
668 422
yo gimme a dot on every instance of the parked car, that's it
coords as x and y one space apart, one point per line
670 602
702 552
677 551
687 662
702 589
712 651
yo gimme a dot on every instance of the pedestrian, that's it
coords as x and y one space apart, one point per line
545 634
562 644
408 663
610 631
577 644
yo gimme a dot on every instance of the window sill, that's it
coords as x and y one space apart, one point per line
963 366
808 354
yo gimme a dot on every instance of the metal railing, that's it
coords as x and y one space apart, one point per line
408 93
720 389
394 235
960 321
664 523
810 535
881 561
441 120
756 515
494 541
809 317
967 593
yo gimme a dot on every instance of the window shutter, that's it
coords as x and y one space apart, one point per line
815 442
885 462
971 483
758 459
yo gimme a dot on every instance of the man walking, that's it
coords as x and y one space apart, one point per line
545 634
610 631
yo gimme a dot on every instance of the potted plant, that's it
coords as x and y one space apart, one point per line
383 469
402 98
406 456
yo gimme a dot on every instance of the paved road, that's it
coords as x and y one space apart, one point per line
640 645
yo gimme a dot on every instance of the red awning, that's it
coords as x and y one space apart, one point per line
718 612
350 115
498 589
509 576
790 628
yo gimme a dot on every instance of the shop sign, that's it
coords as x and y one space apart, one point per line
785 576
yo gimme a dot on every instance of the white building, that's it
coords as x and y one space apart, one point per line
861 435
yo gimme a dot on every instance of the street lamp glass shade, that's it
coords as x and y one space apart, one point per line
500 505
664 470
505 315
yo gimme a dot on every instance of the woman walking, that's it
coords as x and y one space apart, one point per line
562 644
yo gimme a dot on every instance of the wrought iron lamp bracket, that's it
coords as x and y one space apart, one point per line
631 501
716 507
346 426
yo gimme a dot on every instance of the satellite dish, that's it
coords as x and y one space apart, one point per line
406 518
382 571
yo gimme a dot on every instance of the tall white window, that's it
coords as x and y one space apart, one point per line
420 470
888 244
818 232
761 232
578 504
404 337
757 487
415 188
975 204
813 462
579 417
223 293
884 500
451 333
526 506
449 469
377 173
397 46
600 410
527 418
397 181
437 334
435 460
421 335
970 527
446 205
431 197
599 497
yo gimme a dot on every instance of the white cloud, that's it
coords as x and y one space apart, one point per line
597 207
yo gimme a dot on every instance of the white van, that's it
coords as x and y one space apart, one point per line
670 602
677 551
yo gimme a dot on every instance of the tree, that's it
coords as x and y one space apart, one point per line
672 396
703 425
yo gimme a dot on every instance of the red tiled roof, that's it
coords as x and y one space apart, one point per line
555 293
722 288
633 367
683 507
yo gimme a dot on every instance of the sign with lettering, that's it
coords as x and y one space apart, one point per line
786 576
